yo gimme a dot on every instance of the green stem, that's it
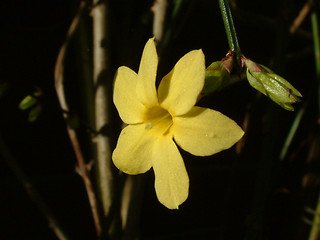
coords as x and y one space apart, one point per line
316 43
168 35
314 233
292 132
230 29
315 230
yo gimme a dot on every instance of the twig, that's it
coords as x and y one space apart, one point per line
59 78
31 191
301 16
159 12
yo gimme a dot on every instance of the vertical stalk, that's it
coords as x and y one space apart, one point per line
230 29
316 44
314 233
102 84
59 85
168 35
315 229
159 12
292 132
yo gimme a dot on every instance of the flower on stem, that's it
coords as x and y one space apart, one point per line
270 84
160 119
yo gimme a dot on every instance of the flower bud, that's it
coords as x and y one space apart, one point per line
218 75
272 85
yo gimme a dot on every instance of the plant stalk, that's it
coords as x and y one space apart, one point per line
315 229
230 29
59 85
316 44
102 80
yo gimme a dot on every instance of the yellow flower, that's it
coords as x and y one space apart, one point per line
158 120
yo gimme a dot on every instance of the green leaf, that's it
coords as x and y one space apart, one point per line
27 102
34 113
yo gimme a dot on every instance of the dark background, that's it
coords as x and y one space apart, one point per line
231 195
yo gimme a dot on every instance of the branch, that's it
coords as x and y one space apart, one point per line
103 94
59 78
31 191
301 16
159 12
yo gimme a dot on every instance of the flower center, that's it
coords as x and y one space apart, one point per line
158 120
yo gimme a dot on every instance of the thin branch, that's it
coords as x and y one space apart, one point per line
59 78
301 16
131 206
31 190
159 12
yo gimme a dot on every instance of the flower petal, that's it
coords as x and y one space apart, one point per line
179 90
204 131
130 109
146 86
171 178
133 152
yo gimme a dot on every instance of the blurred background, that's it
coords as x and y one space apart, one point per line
258 189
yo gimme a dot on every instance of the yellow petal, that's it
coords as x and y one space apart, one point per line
146 86
134 148
130 109
171 178
203 131
179 90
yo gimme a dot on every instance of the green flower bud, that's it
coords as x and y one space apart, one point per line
218 75
272 85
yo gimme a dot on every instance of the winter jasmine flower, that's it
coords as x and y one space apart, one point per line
160 119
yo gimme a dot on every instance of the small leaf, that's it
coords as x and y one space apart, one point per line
34 113
27 102
3 88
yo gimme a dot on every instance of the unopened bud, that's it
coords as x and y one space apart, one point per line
272 85
218 75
